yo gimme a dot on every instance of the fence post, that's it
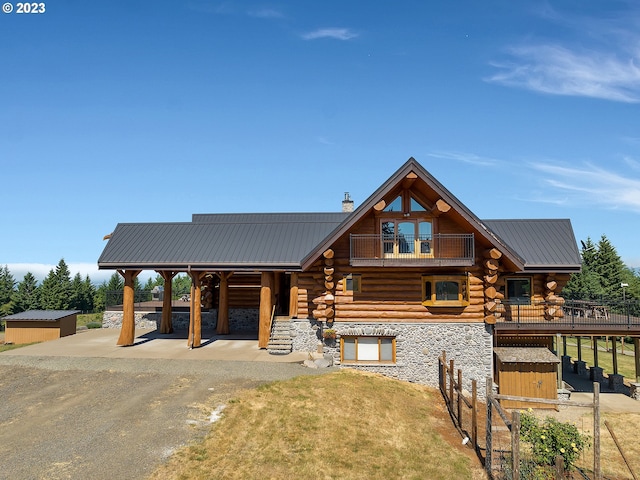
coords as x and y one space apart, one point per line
451 383
474 414
487 456
559 467
597 474
459 395
515 443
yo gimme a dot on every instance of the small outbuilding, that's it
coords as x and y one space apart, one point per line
526 372
39 325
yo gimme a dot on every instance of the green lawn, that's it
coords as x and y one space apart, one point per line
626 362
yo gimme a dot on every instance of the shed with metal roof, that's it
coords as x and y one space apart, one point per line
39 325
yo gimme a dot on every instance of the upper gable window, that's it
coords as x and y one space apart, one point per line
417 206
405 203
395 206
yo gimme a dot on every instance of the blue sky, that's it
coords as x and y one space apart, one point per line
141 111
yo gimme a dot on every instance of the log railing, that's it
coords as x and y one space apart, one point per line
402 250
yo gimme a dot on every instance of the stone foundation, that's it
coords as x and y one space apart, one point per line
240 320
418 346
634 390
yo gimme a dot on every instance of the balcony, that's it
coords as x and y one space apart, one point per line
386 250
572 316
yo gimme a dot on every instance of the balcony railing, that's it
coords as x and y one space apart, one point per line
389 250
569 315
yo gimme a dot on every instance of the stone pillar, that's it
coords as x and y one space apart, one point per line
595 374
580 367
566 362
616 382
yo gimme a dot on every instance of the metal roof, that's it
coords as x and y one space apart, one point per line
412 166
255 218
544 244
42 315
293 241
235 242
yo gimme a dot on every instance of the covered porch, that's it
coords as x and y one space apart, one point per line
264 295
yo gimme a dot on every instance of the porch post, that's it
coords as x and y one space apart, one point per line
266 306
614 351
195 317
128 329
293 296
166 324
223 304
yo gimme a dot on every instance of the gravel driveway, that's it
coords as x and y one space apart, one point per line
112 418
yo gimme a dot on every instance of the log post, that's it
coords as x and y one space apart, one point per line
128 329
166 324
266 306
222 327
293 296
195 316
515 443
636 356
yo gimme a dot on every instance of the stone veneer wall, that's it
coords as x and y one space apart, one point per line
240 320
418 346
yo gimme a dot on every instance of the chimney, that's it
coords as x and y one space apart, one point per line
347 203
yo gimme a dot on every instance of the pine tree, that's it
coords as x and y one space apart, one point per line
7 288
26 296
55 291
609 267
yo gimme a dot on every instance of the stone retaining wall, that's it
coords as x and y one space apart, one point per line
240 320
418 347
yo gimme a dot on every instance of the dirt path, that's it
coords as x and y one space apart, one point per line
69 418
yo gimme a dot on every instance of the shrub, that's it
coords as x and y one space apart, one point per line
551 438
94 325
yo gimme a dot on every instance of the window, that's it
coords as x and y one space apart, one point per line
368 349
352 283
445 290
406 237
519 290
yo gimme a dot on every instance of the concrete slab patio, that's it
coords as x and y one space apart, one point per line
151 344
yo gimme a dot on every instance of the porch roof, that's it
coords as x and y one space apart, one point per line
223 242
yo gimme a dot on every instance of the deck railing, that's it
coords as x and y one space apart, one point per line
404 250
569 313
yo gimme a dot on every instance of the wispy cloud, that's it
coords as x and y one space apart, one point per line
265 13
598 58
558 70
335 33
591 185
470 158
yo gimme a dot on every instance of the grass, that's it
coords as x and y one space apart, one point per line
11 346
89 320
339 425
626 363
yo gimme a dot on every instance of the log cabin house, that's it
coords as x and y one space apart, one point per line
409 273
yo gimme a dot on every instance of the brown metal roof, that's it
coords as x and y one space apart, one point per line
41 315
544 244
235 242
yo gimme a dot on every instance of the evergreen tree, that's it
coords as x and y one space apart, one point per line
56 290
609 268
7 288
82 292
26 296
